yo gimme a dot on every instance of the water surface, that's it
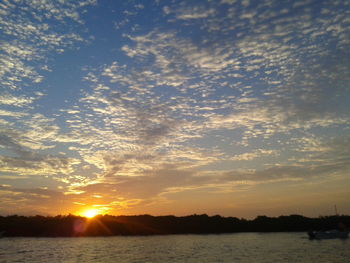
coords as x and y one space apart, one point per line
242 247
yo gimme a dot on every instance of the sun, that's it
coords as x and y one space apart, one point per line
90 213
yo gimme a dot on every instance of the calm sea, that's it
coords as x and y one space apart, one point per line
243 247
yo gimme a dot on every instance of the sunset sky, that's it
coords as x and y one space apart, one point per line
231 107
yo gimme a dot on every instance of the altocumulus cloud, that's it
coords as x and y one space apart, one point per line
203 95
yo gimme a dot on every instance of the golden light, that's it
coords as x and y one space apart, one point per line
90 213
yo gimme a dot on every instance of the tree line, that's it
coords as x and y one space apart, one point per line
107 225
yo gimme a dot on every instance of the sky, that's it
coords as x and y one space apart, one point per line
231 107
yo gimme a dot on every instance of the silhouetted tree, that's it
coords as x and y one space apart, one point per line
106 225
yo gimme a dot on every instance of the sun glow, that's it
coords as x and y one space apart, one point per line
90 213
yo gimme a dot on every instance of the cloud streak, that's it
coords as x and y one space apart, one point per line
200 97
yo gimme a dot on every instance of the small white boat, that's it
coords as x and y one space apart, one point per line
331 234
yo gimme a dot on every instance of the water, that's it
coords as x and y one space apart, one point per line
243 247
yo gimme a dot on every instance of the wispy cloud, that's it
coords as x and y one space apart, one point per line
203 95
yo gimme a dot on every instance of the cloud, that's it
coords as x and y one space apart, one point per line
32 30
200 98
139 121
16 101
157 184
325 151
32 201
252 155
23 161
31 34
195 12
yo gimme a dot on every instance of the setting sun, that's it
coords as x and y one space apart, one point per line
90 213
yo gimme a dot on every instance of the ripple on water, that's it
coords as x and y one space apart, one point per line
242 247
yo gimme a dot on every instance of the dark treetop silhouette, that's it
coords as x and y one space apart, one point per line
106 225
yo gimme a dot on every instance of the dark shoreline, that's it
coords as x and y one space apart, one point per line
146 225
